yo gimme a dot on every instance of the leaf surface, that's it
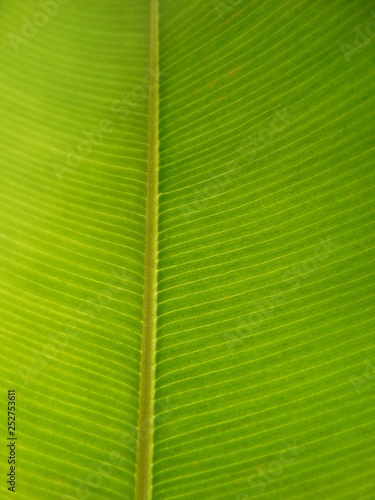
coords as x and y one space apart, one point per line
265 356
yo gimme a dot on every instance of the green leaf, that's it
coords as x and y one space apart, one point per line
187 289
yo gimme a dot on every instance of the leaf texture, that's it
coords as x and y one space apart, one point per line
266 289
73 191
265 352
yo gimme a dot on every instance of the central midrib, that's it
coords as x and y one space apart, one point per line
143 486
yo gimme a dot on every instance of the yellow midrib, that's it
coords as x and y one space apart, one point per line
143 485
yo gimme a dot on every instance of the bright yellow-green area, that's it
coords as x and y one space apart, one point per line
73 167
